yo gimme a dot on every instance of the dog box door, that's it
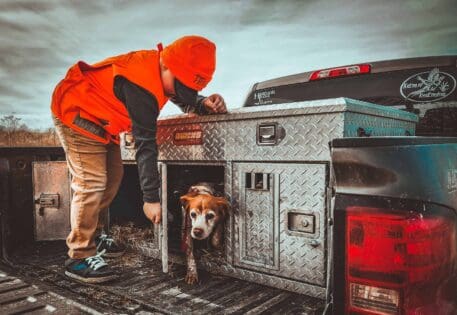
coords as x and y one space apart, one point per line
279 219
52 195
163 230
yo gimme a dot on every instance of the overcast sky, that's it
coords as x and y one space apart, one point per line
256 40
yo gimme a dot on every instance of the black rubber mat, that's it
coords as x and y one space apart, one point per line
142 287
21 297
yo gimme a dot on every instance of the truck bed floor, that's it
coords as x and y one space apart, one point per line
143 289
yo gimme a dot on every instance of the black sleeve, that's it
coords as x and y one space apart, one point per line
198 109
143 111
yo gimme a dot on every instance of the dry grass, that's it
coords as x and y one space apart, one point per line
25 138
129 232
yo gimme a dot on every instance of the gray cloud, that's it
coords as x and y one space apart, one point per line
6 90
256 39
34 6
12 26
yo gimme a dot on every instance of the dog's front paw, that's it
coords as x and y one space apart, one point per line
191 278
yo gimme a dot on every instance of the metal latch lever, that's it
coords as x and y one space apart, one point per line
47 201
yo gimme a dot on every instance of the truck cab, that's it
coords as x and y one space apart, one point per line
425 86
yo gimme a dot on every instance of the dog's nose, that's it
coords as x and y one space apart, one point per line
198 232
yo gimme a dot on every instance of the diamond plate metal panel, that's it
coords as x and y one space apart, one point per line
376 126
317 107
306 138
301 188
309 126
258 226
220 267
285 259
256 230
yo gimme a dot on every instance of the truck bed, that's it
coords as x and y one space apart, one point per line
143 288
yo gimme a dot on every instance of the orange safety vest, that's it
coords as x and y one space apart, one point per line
84 100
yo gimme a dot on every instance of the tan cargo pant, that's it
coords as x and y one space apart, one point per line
97 172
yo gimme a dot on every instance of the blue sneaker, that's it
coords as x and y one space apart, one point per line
90 270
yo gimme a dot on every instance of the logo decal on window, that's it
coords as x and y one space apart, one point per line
263 97
428 86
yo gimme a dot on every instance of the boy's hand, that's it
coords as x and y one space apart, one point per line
215 104
153 211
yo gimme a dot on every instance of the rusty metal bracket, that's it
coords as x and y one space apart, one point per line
48 200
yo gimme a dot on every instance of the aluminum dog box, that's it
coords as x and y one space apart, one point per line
275 162
307 128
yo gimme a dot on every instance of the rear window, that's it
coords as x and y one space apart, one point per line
409 89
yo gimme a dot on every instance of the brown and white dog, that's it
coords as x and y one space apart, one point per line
203 218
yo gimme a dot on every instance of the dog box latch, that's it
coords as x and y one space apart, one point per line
269 133
302 223
48 201
258 181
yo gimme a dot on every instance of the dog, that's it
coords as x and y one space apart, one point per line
203 218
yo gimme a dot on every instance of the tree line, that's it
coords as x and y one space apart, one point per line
14 132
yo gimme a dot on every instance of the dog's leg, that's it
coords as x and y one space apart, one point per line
216 238
192 274
187 245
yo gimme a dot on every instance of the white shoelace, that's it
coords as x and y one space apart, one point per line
105 238
96 262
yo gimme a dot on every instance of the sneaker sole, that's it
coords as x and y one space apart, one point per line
90 280
113 255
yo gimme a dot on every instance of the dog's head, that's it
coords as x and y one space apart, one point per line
205 212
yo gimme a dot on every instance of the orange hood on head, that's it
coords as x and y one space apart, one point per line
192 60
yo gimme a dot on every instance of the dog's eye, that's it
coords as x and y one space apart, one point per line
193 215
209 216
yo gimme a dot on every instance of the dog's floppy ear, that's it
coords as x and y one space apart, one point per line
186 198
218 233
223 206
186 239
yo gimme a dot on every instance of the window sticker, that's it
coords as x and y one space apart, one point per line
428 86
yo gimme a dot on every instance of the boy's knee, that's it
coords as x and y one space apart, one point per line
96 184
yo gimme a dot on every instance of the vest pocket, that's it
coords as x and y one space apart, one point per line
81 120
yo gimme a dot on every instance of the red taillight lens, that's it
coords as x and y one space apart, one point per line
340 72
398 262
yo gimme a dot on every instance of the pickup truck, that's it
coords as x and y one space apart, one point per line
337 208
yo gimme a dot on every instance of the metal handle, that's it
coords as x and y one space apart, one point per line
269 133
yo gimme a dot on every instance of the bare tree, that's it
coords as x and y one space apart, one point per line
11 123
13 132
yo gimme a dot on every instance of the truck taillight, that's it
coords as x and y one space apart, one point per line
399 262
340 72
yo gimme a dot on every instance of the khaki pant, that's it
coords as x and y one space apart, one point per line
97 172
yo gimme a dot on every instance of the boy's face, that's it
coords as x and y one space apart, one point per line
175 90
